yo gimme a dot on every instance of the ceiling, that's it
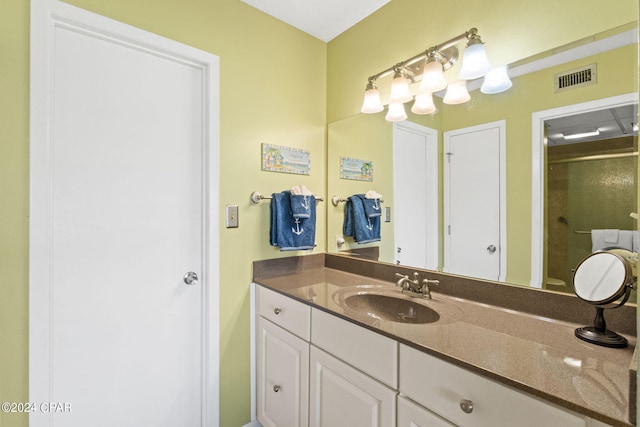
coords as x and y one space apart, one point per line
323 19
611 122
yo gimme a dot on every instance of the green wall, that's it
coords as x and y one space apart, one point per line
294 82
261 101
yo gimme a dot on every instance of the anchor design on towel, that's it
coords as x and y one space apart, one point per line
376 206
306 203
369 226
297 230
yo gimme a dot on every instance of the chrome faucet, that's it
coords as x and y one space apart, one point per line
414 287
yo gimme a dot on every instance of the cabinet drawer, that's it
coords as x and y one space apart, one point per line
292 315
441 386
412 415
372 353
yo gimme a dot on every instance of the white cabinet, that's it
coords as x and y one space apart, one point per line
342 396
412 415
468 399
282 361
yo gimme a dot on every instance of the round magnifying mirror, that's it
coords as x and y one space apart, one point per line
604 279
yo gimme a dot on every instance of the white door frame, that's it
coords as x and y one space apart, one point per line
502 128
432 240
46 15
538 171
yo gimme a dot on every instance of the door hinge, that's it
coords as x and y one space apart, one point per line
449 154
449 230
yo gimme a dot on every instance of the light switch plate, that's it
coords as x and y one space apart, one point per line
232 216
387 214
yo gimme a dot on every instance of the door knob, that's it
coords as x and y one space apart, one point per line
191 278
491 249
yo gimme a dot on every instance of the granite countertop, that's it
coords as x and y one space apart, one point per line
533 353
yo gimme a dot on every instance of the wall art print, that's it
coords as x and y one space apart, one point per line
276 158
356 169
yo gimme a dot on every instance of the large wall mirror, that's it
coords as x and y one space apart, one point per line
552 194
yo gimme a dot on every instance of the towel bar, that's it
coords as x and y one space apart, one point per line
256 197
336 200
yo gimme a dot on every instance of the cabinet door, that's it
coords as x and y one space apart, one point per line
413 415
342 396
283 377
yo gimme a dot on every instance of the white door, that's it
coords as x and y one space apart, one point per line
415 195
123 174
474 208
342 396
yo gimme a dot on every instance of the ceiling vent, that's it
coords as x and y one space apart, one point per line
573 79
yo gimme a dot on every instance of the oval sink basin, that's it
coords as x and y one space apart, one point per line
388 307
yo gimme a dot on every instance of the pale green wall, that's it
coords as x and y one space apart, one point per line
284 72
272 83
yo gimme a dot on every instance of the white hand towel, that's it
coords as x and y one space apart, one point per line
371 194
611 236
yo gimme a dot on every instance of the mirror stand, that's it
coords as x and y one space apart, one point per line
599 334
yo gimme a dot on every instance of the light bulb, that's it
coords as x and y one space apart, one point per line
432 78
496 81
396 113
474 62
399 89
371 103
457 93
423 104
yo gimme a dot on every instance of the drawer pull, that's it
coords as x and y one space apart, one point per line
277 310
466 406
276 388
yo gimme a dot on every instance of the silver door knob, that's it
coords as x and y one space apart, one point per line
491 249
466 406
191 278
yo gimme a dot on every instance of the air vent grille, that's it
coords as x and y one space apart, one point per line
573 79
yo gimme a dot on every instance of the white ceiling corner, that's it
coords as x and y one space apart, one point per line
323 19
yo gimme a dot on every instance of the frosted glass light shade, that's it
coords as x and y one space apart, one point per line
400 90
457 93
474 62
423 104
496 81
371 103
432 78
396 113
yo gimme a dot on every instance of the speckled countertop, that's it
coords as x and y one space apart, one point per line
525 350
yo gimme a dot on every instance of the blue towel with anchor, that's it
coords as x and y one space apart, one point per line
372 207
301 205
356 224
291 233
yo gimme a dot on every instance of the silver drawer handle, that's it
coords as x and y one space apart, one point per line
190 278
466 406
276 388
277 311
491 249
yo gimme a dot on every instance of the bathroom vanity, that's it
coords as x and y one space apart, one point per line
338 344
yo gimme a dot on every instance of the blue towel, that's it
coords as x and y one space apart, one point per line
356 223
371 206
287 232
301 205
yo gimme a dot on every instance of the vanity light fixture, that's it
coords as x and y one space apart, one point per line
581 134
428 68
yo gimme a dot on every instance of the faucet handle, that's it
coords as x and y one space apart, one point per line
401 276
431 282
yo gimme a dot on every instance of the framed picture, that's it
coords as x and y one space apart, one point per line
356 169
276 158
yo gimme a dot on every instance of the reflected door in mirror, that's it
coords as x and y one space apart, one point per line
415 189
474 222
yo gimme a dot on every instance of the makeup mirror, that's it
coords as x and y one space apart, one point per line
604 279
